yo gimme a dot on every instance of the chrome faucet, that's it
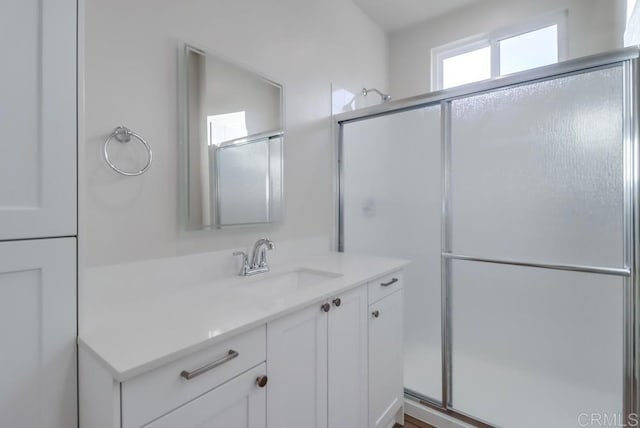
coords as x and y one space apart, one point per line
258 263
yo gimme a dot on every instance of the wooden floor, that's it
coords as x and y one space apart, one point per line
410 422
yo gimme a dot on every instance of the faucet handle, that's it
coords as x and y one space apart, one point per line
262 260
245 262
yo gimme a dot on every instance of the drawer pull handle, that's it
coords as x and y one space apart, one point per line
197 372
337 302
325 307
386 284
261 381
375 314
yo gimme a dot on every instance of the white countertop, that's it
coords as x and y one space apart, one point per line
135 339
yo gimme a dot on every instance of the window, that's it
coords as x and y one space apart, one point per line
467 67
538 43
631 4
226 127
632 29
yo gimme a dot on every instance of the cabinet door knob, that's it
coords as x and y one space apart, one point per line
337 302
261 381
375 314
325 307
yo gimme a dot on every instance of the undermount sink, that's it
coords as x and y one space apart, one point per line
279 284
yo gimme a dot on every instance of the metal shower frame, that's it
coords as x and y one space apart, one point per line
628 59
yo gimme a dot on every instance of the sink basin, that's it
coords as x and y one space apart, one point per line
277 285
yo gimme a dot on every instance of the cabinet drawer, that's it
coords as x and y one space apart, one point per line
238 403
156 393
384 286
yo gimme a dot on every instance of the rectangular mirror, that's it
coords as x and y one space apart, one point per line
232 151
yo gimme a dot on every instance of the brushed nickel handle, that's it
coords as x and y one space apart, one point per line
337 302
375 314
197 372
386 284
325 307
261 381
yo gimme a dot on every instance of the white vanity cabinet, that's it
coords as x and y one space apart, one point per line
386 391
331 364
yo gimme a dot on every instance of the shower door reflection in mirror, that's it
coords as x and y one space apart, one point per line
232 143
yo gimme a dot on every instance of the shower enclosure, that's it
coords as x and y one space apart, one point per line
517 201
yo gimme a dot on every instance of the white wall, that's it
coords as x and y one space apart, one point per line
593 26
131 79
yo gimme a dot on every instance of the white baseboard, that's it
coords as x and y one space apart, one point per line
431 416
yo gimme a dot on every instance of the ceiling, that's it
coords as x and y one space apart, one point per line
394 15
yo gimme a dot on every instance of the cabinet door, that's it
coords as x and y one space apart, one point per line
38 119
297 368
37 332
347 356
385 359
239 403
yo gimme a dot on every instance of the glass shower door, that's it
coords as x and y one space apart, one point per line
391 169
537 266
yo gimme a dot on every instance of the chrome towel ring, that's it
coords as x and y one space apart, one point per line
123 134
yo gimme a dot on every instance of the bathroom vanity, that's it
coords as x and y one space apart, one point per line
309 344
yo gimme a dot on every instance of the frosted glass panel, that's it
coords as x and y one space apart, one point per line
537 171
392 208
249 182
529 50
466 68
533 347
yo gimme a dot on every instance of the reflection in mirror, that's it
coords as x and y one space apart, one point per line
249 181
233 141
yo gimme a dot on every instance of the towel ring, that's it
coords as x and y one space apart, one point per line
123 135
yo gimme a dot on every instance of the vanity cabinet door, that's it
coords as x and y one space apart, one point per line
297 369
38 119
385 359
239 403
347 360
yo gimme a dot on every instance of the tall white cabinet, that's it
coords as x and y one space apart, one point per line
38 200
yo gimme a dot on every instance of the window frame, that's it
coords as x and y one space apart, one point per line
493 39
